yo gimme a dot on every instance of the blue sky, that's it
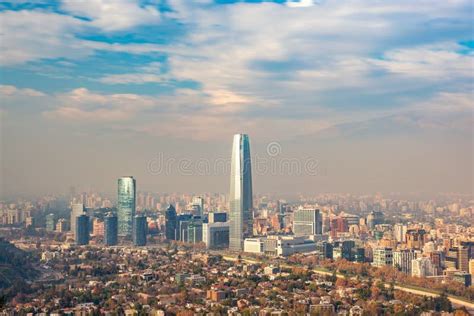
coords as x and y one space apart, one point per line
182 75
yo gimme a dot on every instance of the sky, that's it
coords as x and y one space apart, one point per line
336 96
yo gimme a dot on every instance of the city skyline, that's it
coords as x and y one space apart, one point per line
377 93
236 157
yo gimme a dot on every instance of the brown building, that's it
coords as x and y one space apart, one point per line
463 259
415 238
217 295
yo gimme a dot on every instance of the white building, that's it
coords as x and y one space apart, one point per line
400 232
402 259
307 222
253 245
383 256
198 205
279 245
77 209
422 267
288 245
215 235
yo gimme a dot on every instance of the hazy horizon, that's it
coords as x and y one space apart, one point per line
340 96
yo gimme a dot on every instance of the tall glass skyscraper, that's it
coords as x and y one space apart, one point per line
126 205
241 217
110 231
77 209
82 229
139 230
170 223
50 222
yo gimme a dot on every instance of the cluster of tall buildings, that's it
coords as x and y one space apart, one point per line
125 223
215 229
211 228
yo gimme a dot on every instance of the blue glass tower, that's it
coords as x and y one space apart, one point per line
139 230
82 230
50 222
76 210
240 198
110 230
170 223
126 205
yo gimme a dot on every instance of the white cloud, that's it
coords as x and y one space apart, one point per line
438 62
238 48
152 72
85 106
299 3
257 57
132 78
113 15
7 91
31 35
449 102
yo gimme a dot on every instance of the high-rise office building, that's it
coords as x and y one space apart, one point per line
50 222
139 230
198 205
383 256
281 209
82 229
126 205
215 234
451 259
307 222
463 258
399 232
62 225
110 230
217 217
422 267
374 218
77 209
325 249
470 247
415 238
195 231
402 259
241 204
182 224
170 223
371 220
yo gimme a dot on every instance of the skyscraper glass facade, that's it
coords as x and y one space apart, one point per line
139 230
50 222
77 209
82 229
110 231
307 222
240 193
126 205
170 223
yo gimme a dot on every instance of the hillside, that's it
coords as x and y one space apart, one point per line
16 266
